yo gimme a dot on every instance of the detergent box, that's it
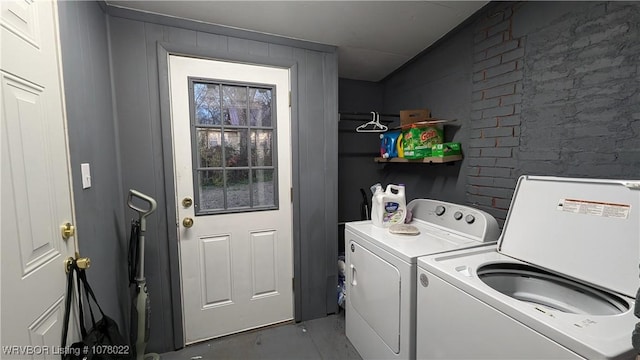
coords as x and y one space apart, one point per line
446 149
418 140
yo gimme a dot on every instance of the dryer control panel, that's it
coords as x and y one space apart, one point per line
463 220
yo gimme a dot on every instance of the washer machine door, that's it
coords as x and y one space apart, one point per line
546 290
586 229
374 292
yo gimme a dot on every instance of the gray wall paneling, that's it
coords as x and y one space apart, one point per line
225 34
330 131
170 205
356 168
145 141
138 144
101 229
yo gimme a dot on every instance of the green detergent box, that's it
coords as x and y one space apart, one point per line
446 149
418 140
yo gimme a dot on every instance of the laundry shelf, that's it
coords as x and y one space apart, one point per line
432 159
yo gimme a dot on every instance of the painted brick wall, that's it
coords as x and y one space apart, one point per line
496 108
581 104
555 92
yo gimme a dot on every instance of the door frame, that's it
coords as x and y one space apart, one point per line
165 49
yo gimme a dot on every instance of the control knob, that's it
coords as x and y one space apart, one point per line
470 219
440 210
457 215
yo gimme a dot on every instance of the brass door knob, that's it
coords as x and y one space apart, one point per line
187 222
83 263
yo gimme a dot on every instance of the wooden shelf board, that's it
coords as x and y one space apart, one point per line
433 159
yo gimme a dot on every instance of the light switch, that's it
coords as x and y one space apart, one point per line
86 175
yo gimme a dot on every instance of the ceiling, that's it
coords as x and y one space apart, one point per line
374 38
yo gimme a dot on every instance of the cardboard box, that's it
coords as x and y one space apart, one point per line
408 117
418 140
446 149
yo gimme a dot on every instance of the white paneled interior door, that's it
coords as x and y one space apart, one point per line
36 192
232 160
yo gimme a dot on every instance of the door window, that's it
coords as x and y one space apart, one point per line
233 129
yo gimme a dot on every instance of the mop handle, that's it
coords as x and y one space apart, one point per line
143 213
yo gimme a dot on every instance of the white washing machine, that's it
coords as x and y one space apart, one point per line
560 284
381 272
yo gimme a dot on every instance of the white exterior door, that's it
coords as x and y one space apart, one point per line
232 160
36 192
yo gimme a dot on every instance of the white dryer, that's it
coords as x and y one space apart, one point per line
381 272
560 284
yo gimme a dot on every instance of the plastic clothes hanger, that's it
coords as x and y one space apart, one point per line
375 122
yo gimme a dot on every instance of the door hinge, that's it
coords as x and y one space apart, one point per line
292 195
289 98
293 284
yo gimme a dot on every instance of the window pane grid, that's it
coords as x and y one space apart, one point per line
236 168
218 127
234 147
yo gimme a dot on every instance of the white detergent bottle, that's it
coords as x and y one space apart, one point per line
377 205
394 205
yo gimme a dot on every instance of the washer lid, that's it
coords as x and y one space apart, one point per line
585 228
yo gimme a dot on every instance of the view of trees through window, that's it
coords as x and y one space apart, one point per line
234 139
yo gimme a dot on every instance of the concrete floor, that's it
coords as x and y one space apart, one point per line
315 339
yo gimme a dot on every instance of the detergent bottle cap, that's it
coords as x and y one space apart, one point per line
375 188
